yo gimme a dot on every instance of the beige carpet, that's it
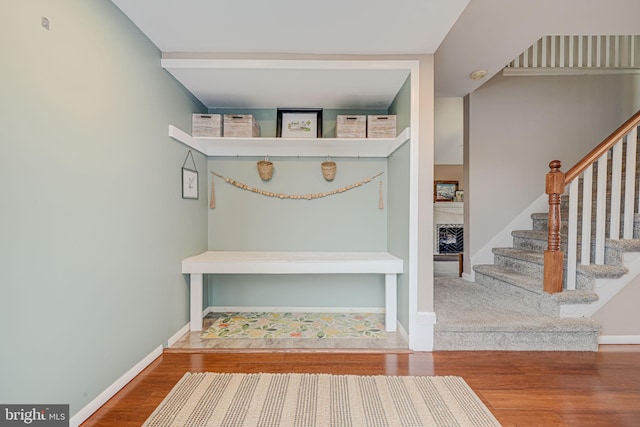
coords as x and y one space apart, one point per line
307 400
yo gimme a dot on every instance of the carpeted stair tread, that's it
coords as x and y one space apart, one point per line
575 297
535 285
542 235
514 278
469 306
473 317
540 222
629 245
607 271
531 234
521 254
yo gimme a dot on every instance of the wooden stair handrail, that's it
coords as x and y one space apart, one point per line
602 148
555 184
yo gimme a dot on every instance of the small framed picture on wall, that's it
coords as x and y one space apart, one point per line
189 184
444 191
300 123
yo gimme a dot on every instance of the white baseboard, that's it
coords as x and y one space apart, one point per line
606 289
469 277
102 398
402 331
422 338
223 309
175 337
619 339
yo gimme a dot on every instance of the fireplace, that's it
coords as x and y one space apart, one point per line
450 238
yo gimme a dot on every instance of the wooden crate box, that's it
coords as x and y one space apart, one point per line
206 125
381 126
351 126
241 125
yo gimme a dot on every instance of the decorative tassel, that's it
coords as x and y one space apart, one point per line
212 203
381 201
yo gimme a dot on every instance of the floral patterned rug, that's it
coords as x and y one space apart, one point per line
297 325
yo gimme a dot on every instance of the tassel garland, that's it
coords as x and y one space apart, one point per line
293 196
212 203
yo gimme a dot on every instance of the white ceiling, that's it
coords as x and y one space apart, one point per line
491 33
292 26
248 84
464 35
328 27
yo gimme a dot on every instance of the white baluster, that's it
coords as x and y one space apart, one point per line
601 209
630 184
572 235
616 191
580 48
571 53
587 200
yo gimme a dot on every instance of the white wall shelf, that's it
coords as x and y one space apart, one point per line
291 147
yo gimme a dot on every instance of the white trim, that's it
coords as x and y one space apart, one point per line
423 334
175 337
503 238
286 64
606 289
414 196
468 277
291 147
244 309
527 72
402 332
619 339
103 397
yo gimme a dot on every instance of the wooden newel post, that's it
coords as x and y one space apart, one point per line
553 256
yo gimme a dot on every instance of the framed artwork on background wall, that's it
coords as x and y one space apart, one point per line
189 184
299 123
189 179
444 191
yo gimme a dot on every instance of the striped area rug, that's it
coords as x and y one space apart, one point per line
307 400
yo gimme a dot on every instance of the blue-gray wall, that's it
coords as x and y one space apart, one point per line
92 224
398 201
349 221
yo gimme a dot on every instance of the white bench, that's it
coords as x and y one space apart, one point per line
241 262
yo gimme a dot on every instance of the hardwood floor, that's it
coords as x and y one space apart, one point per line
521 388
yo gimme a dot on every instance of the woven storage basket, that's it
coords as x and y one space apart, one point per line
329 170
265 169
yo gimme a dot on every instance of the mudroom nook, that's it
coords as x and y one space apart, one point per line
296 240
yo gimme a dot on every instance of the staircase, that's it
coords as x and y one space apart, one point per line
507 309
